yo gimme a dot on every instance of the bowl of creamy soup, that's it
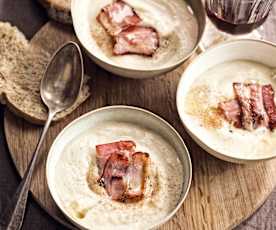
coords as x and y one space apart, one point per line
119 167
226 100
138 38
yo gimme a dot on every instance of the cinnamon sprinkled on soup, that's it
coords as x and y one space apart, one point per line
197 105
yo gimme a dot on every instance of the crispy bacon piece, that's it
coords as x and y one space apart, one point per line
116 166
260 117
254 105
122 171
103 152
243 94
137 40
136 175
117 17
116 189
232 112
269 104
114 171
124 180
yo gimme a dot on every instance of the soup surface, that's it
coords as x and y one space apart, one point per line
215 86
174 21
88 204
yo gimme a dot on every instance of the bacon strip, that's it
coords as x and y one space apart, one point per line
114 171
117 189
117 17
269 104
103 152
254 105
243 94
122 171
260 117
137 40
136 175
232 112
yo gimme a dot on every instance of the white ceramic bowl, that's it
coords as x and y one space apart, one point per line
129 114
82 25
253 50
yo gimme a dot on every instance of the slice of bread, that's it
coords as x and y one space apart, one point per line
22 65
59 10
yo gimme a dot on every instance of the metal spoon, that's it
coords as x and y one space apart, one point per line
59 90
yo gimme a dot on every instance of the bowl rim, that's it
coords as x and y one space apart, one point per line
160 119
162 68
179 99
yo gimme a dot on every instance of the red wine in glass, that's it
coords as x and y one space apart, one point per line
238 16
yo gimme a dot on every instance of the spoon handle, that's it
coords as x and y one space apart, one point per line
13 215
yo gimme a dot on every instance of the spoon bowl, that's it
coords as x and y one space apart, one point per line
63 78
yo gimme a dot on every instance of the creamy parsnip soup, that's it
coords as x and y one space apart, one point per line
231 107
86 201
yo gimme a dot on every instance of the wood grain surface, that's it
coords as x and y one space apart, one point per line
222 194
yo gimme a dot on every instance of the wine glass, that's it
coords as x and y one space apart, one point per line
236 18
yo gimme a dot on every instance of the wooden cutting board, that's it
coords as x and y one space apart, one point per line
222 194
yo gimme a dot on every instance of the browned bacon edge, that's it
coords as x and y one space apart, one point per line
136 174
243 95
259 114
269 104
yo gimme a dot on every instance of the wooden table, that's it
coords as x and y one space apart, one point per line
29 16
